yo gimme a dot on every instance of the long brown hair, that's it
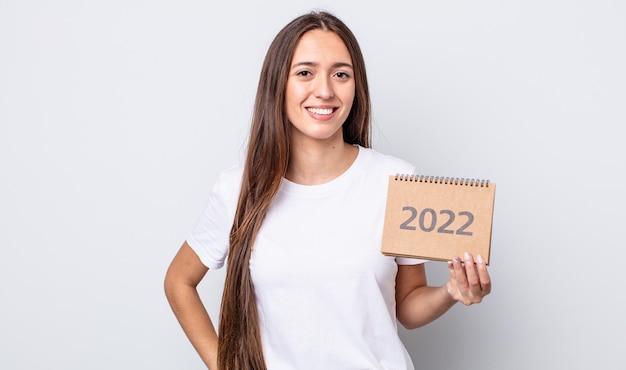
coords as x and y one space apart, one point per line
267 158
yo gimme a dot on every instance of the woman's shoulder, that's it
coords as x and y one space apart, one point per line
386 162
228 182
231 174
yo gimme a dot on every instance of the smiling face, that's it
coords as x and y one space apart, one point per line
320 88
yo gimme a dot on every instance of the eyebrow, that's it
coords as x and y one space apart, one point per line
313 64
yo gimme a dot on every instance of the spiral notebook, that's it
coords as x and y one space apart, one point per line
438 218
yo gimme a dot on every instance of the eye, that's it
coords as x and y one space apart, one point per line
342 75
304 73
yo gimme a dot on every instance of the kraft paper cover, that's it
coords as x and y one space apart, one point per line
438 218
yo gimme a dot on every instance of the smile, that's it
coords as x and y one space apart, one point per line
321 111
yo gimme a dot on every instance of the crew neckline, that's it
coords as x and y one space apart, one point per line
327 187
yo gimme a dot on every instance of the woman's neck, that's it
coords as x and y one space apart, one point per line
319 164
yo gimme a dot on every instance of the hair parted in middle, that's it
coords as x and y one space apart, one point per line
267 158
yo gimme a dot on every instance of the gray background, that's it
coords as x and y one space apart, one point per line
117 116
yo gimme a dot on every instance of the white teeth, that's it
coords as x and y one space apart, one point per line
320 110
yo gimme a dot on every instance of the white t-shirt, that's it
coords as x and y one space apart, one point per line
325 293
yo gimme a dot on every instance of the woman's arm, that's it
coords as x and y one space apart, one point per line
418 304
184 274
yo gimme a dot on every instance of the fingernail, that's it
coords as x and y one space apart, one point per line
467 256
457 260
480 259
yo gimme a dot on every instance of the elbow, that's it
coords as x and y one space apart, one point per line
168 285
174 290
177 285
408 316
172 284
409 324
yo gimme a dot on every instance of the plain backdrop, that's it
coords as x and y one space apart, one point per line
117 116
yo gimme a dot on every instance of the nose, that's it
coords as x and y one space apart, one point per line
323 88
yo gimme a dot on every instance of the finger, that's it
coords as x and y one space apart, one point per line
483 275
451 285
459 274
451 270
473 281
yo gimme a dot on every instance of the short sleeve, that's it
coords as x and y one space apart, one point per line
209 238
409 261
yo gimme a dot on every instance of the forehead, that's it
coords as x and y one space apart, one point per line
319 46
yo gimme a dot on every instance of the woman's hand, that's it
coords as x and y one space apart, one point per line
469 280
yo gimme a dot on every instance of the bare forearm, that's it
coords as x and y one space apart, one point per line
195 321
418 304
423 305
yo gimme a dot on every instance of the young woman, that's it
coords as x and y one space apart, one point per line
301 224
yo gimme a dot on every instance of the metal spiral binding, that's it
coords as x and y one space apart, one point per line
479 183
